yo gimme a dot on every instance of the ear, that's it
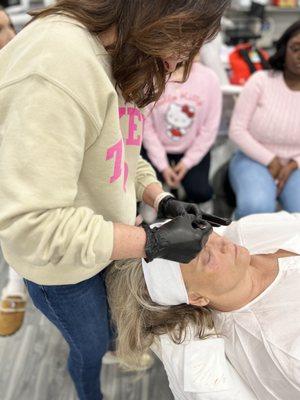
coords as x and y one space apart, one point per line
196 299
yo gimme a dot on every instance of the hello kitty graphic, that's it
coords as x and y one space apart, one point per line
179 117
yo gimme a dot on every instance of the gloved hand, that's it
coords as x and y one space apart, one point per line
178 240
169 207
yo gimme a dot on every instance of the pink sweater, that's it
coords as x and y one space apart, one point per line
185 119
266 119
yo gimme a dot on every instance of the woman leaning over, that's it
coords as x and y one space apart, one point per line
265 126
70 171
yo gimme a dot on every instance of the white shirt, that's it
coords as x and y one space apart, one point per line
262 339
199 370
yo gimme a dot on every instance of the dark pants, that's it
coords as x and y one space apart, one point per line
196 181
80 312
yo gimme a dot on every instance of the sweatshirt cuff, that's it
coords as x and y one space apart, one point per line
141 186
104 243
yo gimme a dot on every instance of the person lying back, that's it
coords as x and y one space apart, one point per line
245 283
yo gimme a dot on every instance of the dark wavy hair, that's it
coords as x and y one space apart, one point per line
147 31
277 61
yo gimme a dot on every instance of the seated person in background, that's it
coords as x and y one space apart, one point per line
265 126
180 130
245 283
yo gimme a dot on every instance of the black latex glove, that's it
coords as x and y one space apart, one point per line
178 240
171 208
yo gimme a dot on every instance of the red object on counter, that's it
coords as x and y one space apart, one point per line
244 61
285 3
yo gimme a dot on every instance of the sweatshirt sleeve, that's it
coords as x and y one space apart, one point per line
207 133
239 128
41 156
155 149
145 176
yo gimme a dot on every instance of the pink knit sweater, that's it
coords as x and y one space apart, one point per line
266 119
185 119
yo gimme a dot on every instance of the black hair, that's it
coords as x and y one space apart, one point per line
277 61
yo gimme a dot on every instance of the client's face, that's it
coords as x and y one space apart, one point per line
217 271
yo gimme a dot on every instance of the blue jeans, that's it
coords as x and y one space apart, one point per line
256 190
80 312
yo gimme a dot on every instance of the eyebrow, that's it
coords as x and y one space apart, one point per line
295 41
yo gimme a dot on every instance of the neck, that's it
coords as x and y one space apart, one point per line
292 80
262 272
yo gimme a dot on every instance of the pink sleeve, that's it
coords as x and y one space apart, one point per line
207 133
243 112
156 151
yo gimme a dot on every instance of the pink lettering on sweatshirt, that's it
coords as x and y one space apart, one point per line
134 117
126 172
116 152
132 137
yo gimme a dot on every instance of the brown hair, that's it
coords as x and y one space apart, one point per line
146 32
139 321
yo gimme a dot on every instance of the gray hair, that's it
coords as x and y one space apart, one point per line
139 321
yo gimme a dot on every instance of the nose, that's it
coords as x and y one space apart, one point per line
170 64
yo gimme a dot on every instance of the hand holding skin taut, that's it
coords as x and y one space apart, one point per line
178 240
171 208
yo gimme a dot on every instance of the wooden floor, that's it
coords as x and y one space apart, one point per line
33 367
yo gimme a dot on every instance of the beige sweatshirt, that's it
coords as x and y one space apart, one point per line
69 154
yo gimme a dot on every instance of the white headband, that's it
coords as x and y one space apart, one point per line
164 282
